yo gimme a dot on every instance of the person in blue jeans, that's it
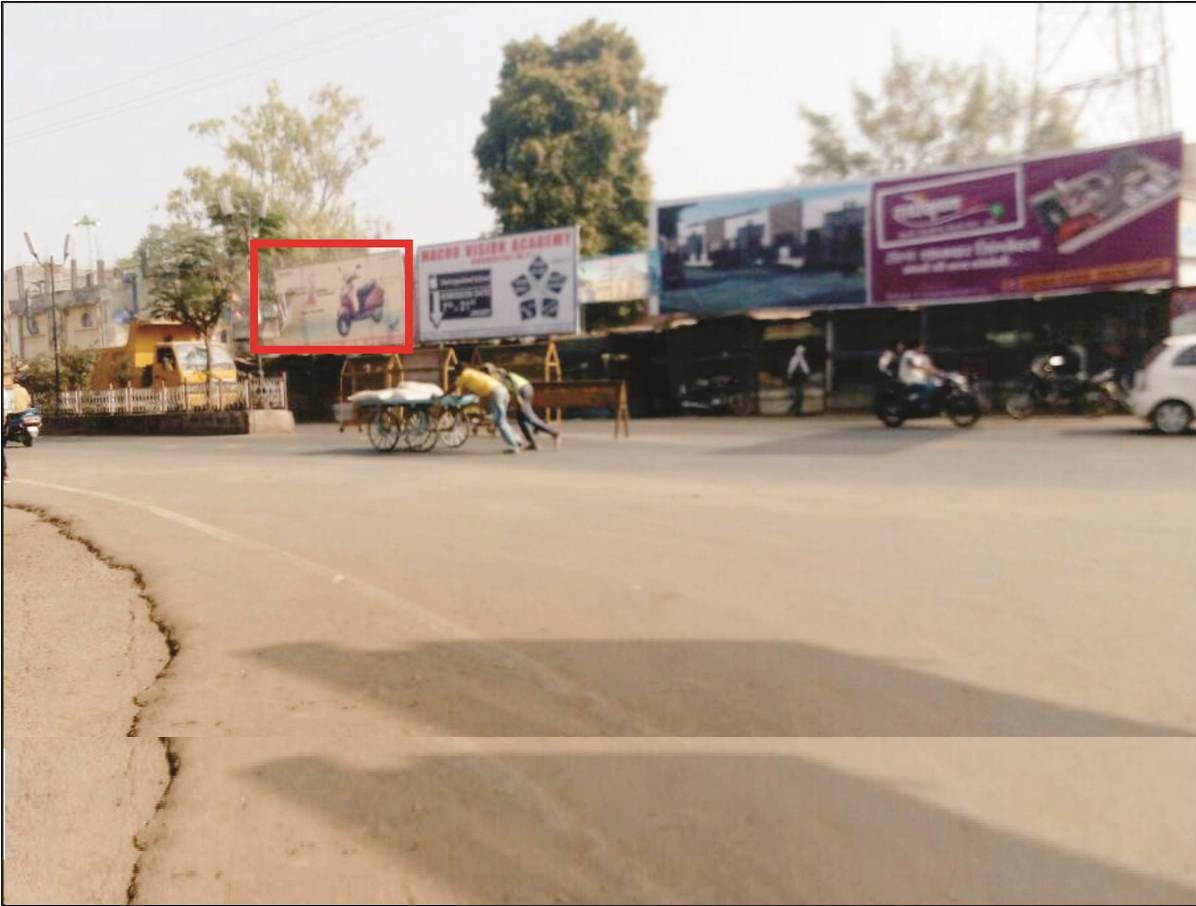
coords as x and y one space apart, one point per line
523 393
493 395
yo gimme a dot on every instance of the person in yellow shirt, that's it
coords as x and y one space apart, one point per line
21 400
493 395
523 393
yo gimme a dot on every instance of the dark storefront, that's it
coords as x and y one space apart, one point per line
995 341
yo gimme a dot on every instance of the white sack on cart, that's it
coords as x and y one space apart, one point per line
406 392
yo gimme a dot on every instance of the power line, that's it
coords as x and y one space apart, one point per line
142 76
186 87
236 74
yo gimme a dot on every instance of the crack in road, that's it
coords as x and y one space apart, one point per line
140 700
173 765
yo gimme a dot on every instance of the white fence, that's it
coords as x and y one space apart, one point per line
253 393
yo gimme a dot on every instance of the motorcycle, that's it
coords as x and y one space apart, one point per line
366 301
954 397
23 427
1047 389
714 396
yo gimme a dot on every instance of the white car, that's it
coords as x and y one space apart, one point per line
1164 391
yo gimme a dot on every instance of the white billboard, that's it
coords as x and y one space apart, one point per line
358 300
520 284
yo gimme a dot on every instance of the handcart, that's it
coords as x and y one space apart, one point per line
413 417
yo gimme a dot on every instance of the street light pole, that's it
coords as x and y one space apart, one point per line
54 335
66 252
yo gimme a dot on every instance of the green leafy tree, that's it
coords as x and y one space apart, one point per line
302 160
930 113
74 364
564 139
190 281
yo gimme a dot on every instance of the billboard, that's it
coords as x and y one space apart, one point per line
619 278
520 284
345 300
1089 219
801 246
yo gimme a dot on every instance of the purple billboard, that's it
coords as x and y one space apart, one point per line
1089 219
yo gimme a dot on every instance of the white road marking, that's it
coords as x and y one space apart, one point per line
554 809
559 683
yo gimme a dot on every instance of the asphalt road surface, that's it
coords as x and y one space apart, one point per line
727 660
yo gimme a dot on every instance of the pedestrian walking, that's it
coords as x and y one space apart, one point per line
523 393
798 373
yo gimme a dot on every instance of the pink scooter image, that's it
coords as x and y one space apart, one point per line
370 302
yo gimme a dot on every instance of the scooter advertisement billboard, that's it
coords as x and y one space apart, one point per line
520 284
1091 219
341 296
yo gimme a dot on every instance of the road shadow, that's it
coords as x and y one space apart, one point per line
680 688
690 828
365 450
860 440
1120 431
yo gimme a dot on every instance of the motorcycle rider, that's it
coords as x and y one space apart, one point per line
890 360
918 372
21 400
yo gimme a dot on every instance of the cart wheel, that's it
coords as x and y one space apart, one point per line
419 431
453 428
384 431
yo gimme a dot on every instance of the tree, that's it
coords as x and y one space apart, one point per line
930 113
564 139
302 161
75 365
190 281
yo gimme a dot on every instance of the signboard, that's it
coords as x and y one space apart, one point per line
345 300
520 284
618 278
1100 218
786 247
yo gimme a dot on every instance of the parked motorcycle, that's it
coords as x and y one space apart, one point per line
1046 389
954 397
715 396
23 427
357 303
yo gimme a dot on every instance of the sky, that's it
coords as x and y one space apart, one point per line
97 98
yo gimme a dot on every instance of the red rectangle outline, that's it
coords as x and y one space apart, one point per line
257 347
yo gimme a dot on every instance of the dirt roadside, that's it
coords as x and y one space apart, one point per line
80 650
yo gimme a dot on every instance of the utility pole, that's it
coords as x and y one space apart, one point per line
89 223
252 214
66 251
1110 60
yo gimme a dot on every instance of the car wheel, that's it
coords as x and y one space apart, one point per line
1171 417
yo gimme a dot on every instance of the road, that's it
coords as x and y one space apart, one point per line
758 660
